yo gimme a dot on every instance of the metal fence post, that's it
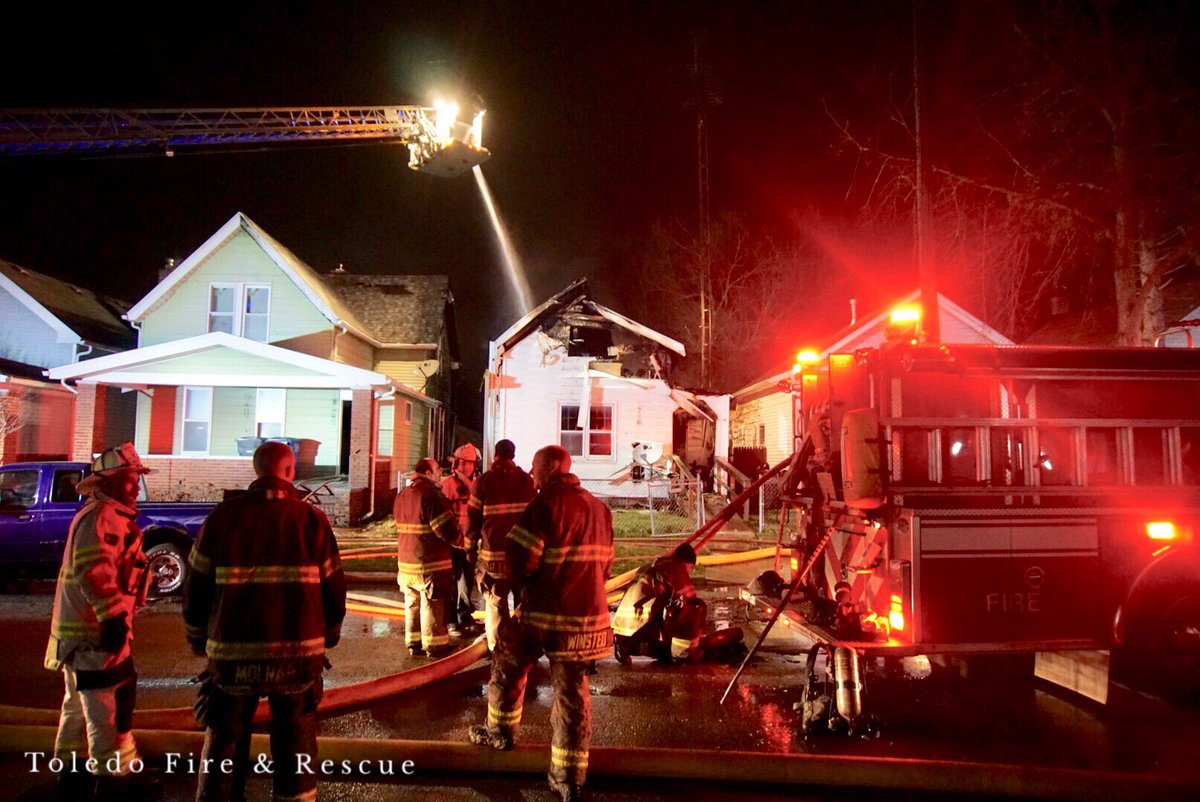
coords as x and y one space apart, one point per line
761 507
650 504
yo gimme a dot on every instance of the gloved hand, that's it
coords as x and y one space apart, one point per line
113 634
198 647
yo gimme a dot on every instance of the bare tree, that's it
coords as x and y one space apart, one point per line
13 413
1072 162
746 277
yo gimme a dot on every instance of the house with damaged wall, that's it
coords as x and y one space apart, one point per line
243 341
578 374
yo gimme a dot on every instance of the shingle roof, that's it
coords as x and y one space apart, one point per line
94 317
395 309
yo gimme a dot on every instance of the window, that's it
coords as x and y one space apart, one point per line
596 440
387 425
408 412
762 435
63 489
239 309
197 419
268 412
18 488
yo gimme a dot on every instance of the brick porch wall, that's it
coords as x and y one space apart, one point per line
191 479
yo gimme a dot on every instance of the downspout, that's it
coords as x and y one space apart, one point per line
81 354
338 328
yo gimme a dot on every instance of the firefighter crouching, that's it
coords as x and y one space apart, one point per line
265 598
559 556
457 488
499 498
100 585
425 531
659 615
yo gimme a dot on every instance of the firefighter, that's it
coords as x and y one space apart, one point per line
101 584
499 498
559 556
426 529
457 489
660 616
265 598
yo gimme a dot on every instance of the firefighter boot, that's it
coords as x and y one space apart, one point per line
482 736
566 791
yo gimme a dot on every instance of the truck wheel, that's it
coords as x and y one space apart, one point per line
1176 651
168 568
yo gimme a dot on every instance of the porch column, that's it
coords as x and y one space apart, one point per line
361 437
89 422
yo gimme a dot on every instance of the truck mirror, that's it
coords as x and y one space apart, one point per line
862 474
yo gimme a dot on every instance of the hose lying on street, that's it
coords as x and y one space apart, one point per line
334 700
739 769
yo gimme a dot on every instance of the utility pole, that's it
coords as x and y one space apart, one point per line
926 272
704 94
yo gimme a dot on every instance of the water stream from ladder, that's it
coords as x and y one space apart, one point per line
512 265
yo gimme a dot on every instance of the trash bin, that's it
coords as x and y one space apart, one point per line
292 442
247 445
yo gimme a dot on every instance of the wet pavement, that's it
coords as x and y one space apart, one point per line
1004 718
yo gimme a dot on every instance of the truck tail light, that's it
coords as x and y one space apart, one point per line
896 616
1162 530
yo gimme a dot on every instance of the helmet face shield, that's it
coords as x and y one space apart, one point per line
120 458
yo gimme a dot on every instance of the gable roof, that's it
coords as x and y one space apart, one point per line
408 310
296 369
304 277
868 331
77 315
576 292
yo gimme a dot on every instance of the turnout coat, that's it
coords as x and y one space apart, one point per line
426 528
499 498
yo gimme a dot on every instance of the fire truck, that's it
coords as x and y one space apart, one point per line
980 499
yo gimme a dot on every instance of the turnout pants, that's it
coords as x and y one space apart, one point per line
463 604
96 721
519 647
293 745
425 600
495 604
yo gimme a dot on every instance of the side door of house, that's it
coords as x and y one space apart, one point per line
61 504
20 518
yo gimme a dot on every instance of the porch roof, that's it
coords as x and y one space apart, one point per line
218 359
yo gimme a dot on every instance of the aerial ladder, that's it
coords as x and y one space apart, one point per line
438 143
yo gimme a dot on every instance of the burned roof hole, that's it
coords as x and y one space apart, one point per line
589 341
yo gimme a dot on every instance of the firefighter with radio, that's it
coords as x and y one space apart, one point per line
499 498
456 487
101 584
265 599
426 531
659 615
559 557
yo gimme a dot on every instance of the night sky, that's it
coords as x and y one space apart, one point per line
591 123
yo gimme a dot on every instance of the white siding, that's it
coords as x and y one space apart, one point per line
26 338
774 413
527 411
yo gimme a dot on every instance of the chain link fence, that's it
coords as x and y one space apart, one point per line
659 507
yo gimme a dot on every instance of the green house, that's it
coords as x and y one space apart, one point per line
243 341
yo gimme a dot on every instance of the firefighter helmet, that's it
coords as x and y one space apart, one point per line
119 458
467 452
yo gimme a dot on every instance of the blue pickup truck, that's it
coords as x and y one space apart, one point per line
38 501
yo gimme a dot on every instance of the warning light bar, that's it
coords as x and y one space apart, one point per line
906 314
1162 530
896 614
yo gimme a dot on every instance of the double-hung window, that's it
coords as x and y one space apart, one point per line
197 419
239 309
593 439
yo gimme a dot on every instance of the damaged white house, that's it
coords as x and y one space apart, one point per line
578 374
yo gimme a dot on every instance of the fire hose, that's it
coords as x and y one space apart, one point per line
333 701
812 560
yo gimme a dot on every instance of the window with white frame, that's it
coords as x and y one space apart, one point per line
596 440
408 412
387 425
240 309
268 412
197 419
